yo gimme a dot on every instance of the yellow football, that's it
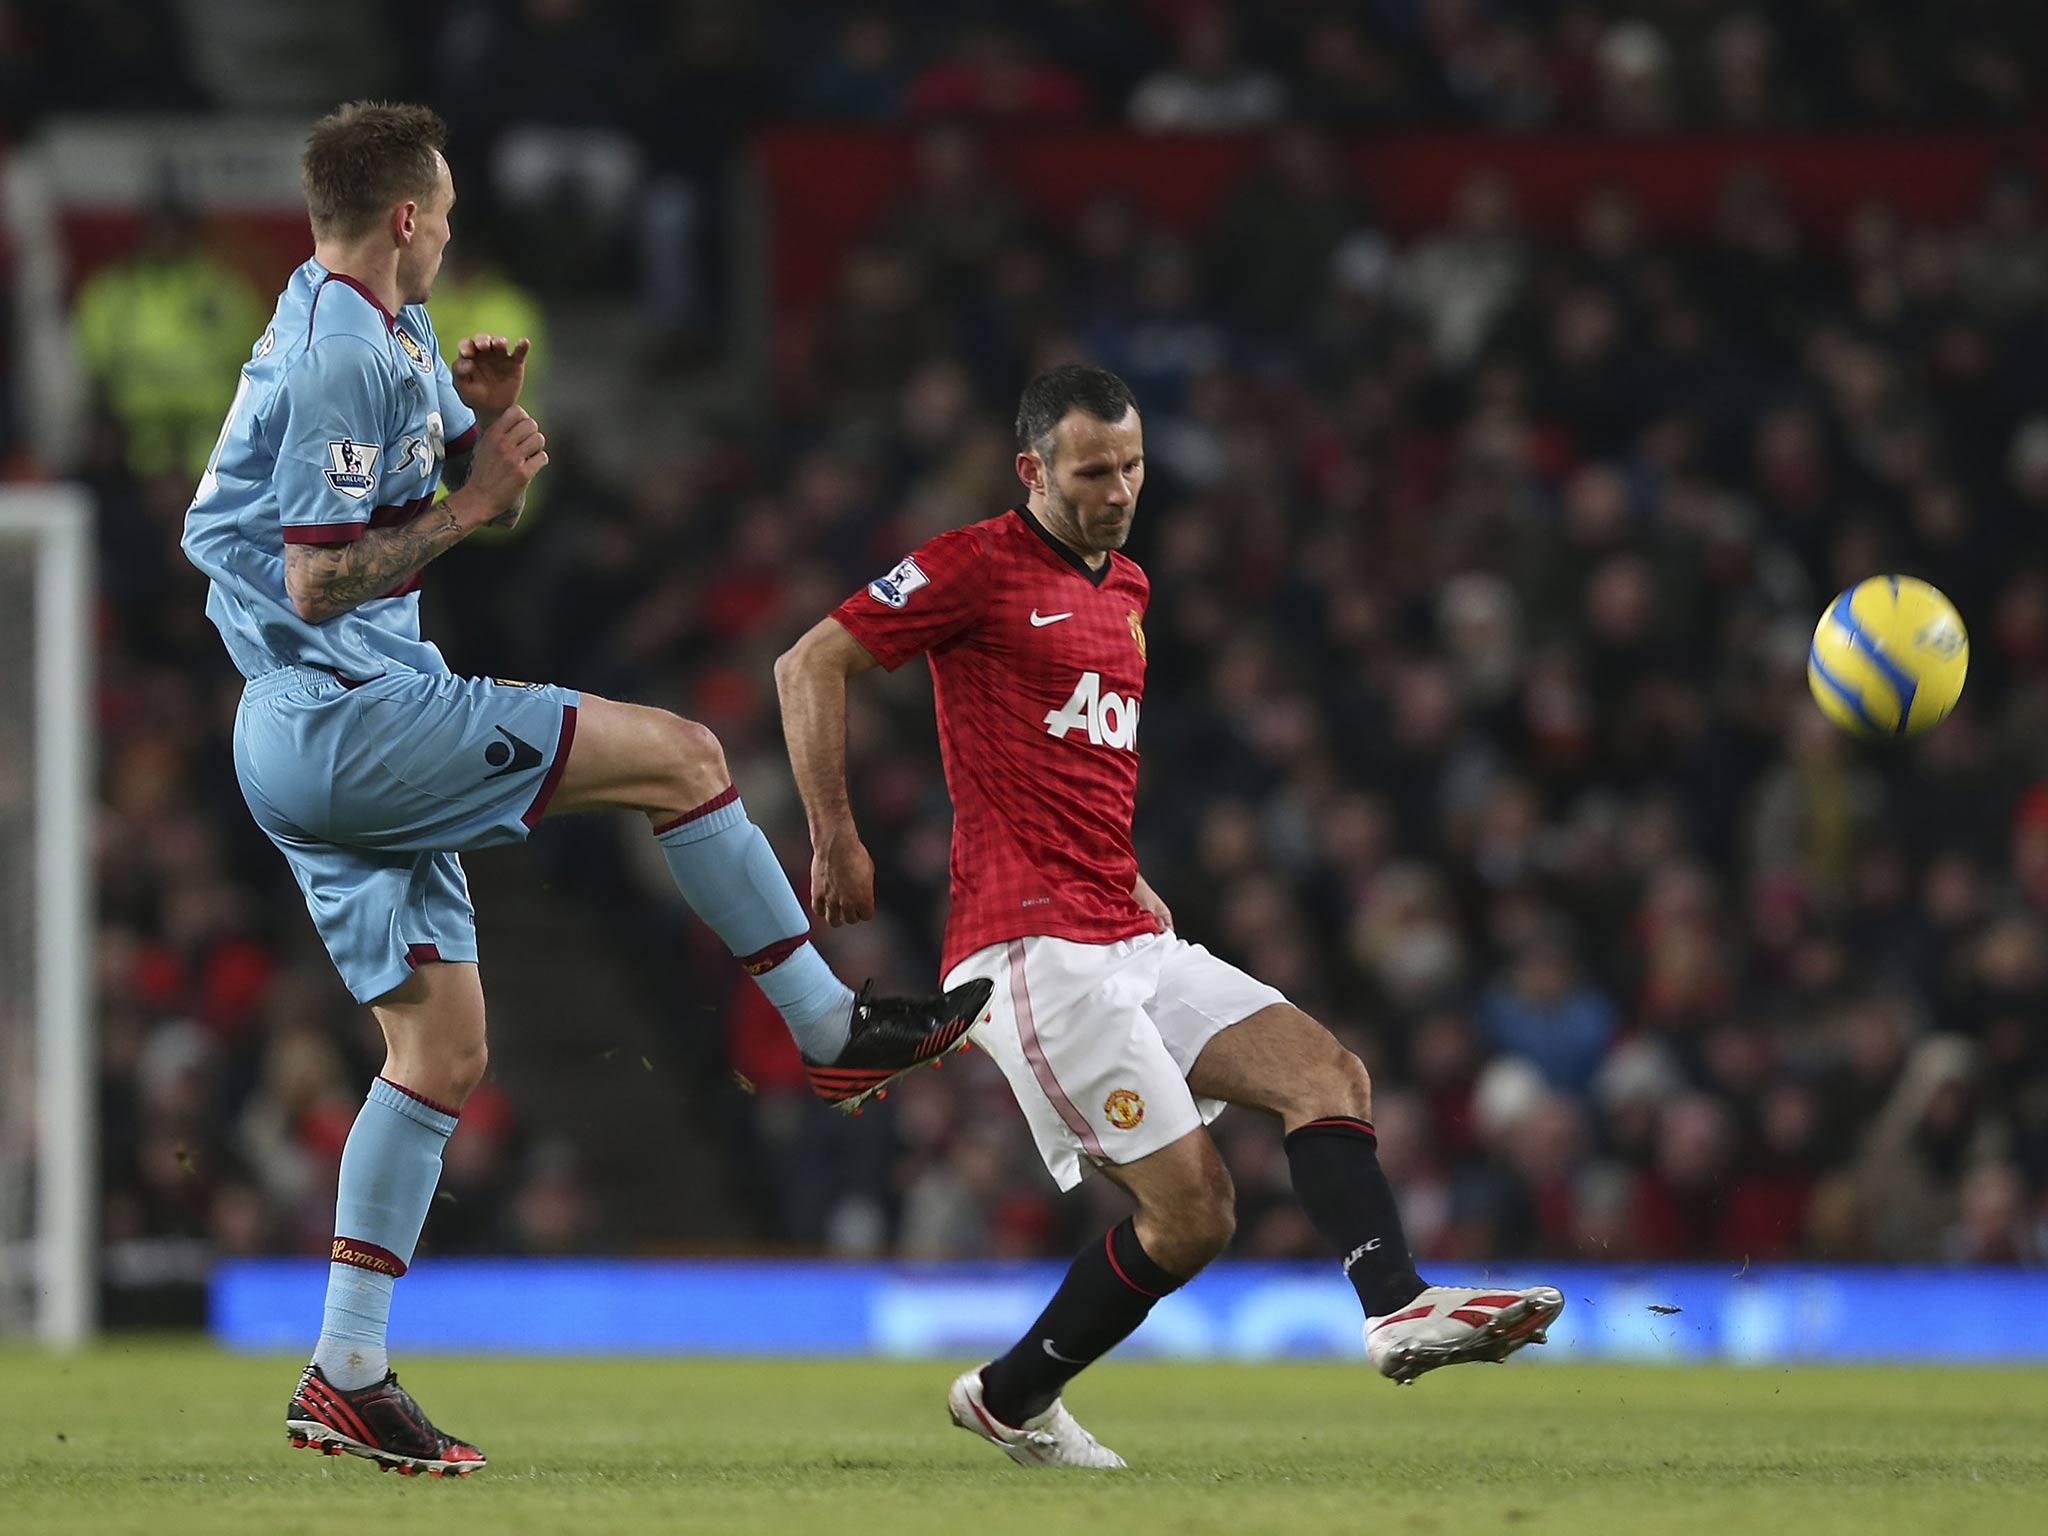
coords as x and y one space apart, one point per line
1888 658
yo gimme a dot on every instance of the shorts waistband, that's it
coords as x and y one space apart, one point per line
270 684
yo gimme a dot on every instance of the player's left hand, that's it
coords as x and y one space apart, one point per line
489 372
1148 898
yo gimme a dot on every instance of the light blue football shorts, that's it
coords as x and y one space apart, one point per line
371 789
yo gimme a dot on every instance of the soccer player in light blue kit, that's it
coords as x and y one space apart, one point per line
370 765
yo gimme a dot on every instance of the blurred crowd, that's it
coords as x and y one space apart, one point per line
1204 66
599 135
666 70
1484 565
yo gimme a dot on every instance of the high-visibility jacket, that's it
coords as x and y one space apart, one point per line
163 343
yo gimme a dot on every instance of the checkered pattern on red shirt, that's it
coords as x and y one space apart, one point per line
1042 764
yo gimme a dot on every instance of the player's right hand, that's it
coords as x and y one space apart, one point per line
508 456
843 881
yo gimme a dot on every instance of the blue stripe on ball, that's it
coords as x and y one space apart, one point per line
1902 681
1852 700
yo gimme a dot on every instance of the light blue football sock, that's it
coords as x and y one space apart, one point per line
388 1172
728 874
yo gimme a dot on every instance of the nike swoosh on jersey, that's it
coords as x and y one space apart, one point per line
1038 622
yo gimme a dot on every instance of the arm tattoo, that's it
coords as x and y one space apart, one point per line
455 475
509 518
340 576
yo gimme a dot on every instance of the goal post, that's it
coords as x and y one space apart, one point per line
48 1102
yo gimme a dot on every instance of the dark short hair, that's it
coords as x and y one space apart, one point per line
1069 387
365 157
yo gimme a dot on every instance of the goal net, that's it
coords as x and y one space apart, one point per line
48 1276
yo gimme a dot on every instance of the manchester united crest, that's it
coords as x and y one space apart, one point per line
1138 639
1124 1108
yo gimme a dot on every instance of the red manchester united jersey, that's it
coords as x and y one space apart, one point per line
1038 667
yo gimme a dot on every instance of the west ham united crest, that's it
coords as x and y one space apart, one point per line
410 346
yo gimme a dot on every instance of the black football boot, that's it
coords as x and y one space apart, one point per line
381 1422
895 1035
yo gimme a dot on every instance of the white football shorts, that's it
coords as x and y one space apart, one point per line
1097 1040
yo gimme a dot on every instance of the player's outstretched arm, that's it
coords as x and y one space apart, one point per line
323 580
810 679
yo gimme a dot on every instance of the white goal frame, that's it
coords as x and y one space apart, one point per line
56 522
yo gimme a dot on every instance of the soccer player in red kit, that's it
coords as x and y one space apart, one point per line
1120 1039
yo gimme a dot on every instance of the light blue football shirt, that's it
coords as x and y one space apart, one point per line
342 421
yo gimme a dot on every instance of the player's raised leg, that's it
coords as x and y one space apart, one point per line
1283 1061
349 1398
1186 1215
629 756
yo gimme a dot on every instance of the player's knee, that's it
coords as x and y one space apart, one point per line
694 762
464 1069
1337 1085
1352 1084
694 748
1329 1080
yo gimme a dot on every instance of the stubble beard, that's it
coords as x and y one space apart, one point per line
423 290
1073 526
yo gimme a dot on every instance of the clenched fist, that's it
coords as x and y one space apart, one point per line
507 458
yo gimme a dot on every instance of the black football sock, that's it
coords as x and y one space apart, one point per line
1109 1288
1337 1178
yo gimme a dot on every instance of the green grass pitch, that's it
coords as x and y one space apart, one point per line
162 1438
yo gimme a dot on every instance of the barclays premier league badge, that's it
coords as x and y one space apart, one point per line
353 468
896 587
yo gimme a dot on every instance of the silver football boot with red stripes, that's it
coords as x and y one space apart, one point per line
1449 1324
